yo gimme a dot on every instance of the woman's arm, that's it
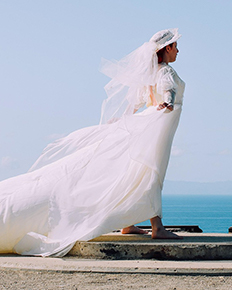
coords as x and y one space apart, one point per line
169 97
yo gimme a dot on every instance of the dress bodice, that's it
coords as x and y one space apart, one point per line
168 80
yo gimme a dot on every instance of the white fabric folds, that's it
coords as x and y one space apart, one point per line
89 183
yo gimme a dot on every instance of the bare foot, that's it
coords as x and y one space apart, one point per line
164 234
133 230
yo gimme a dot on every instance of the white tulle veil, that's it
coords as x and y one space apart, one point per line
132 76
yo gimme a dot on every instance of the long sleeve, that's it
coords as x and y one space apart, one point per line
169 97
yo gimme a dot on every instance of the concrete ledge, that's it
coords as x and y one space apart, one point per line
135 247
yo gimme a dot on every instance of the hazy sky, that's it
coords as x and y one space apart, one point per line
50 85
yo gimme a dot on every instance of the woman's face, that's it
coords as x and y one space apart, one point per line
173 52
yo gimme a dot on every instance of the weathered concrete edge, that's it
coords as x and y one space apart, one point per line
136 251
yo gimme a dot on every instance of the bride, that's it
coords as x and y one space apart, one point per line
104 177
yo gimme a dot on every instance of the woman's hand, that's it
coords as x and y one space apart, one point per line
165 105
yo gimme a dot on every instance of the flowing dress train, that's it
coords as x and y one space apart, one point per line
89 183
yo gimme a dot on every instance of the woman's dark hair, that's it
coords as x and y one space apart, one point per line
160 53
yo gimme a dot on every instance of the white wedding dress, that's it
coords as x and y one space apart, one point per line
91 182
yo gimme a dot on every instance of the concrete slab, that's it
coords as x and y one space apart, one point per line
193 246
71 264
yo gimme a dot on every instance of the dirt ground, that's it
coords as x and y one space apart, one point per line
43 280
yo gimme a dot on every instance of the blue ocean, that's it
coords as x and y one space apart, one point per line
212 213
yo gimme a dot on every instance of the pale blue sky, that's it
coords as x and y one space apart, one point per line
50 52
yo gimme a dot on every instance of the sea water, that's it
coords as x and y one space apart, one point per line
212 213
